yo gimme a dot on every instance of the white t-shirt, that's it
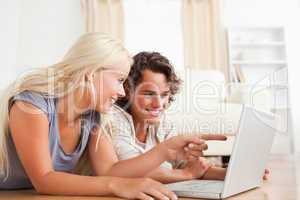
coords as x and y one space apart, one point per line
127 145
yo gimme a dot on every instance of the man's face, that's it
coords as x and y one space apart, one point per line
150 97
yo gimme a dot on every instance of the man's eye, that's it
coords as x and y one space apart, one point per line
149 94
164 95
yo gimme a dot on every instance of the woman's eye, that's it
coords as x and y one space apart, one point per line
121 80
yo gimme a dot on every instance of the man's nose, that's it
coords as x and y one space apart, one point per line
157 102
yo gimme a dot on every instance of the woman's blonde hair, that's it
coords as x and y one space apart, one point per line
90 53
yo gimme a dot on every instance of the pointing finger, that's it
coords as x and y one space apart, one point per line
213 137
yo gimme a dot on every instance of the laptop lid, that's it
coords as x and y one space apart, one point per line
250 151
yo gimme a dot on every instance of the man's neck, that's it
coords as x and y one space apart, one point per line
141 131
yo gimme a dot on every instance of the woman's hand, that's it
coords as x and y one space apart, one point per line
188 147
195 169
140 188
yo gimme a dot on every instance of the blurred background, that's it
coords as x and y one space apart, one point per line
247 49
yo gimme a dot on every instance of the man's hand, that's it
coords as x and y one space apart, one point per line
186 147
197 168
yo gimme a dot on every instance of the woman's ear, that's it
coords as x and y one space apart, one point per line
89 77
126 89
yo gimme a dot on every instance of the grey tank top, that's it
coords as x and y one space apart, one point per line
61 161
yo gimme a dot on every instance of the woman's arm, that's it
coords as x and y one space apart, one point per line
133 166
105 150
105 162
127 150
29 128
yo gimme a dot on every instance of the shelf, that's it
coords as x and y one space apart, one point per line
261 46
263 86
256 28
252 62
258 44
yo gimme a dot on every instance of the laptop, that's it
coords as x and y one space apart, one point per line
247 163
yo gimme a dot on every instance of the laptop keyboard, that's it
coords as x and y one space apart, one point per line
207 186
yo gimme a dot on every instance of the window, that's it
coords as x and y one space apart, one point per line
154 25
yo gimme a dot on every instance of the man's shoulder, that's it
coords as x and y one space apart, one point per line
166 129
121 122
119 112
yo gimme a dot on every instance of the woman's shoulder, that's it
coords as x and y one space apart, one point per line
42 102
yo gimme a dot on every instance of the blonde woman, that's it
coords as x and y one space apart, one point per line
52 115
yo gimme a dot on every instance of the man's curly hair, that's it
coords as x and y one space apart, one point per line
154 62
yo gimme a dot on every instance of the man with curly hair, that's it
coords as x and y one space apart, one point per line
139 122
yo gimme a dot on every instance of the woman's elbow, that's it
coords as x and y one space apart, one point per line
42 185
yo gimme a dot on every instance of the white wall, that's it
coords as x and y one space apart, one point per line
36 33
8 39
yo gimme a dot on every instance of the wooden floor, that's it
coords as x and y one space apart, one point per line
283 184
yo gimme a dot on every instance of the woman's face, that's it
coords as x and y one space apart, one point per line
150 98
109 84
